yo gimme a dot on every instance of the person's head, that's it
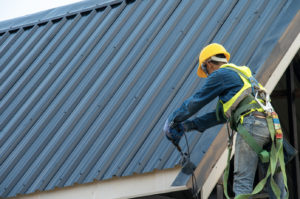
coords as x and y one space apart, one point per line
214 63
211 58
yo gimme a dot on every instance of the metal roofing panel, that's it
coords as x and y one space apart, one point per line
58 12
84 96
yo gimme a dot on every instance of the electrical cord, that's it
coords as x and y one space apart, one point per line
193 175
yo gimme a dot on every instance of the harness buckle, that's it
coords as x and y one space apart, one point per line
264 94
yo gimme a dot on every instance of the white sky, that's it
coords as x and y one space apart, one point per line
10 9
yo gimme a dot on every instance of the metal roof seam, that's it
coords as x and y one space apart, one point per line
133 8
11 42
12 66
4 61
36 172
11 129
132 83
81 178
14 75
180 57
124 36
160 138
107 25
149 41
28 144
93 116
261 33
243 33
44 58
4 37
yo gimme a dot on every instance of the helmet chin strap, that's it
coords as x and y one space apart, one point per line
203 66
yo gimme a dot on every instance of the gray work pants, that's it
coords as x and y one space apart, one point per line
246 160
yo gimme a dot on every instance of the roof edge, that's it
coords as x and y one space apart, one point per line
54 13
136 185
280 49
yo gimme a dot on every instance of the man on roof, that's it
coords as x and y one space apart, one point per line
234 87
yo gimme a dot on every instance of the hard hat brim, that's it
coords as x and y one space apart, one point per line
200 72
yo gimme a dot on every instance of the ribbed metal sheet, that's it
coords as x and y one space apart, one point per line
85 96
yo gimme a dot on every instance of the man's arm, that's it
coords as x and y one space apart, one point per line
212 88
205 121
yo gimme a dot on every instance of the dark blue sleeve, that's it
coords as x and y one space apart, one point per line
212 88
204 122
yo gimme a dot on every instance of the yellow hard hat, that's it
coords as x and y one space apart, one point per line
209 51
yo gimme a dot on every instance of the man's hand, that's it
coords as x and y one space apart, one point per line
177 133
174 134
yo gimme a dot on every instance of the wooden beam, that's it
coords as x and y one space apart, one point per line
220 188
293 127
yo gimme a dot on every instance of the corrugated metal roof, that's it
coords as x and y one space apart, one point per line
85 96
53 13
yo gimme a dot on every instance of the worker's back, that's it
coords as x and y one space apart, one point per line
226 82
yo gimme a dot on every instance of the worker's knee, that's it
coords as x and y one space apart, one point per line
242 185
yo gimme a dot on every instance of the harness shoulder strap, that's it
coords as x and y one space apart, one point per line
218 105
235 70
249 98
252 80
217 109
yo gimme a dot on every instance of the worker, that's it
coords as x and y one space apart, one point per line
229 83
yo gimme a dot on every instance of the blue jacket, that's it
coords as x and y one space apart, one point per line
222 83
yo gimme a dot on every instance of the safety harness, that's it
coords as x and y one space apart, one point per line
250 102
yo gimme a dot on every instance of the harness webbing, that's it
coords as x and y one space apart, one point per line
264 157
251 79
275 155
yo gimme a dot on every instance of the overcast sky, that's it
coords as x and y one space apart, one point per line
10 9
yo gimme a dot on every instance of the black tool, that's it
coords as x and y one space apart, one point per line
184 157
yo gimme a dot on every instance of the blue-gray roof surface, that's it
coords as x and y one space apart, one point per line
46 15
84 96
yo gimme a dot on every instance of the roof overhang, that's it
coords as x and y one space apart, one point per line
136 185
